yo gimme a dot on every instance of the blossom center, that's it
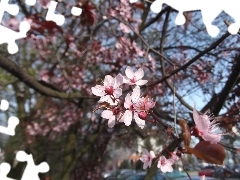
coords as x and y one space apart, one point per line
109 90
142 115
133 80
163 162
116 111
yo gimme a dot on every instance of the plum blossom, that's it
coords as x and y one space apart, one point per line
174 156
204 127
165 164
202 177
110 90
111 115
133 1
129 104
146 158
134 78
124 28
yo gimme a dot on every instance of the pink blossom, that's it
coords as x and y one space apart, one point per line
133 1
146 158
174 156
110 89
134 78
202 177
124 28
165 164
204 127
129 104
111 115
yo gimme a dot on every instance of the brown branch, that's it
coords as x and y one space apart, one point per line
21 74
217 101
211 47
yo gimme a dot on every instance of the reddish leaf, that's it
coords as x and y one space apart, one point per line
185 132
139 5
88 15
211 153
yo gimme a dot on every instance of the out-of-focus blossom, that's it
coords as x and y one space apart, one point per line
202 177
134 78
174 157
124 28
165 165
146 158
110 89
204 127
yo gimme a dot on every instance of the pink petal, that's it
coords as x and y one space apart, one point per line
152 154
118 81
98 90
141 82
127 102
129 72
140 122
111 122
104 98
201 123
135 94
127 117
139 74
117 92
213 138
107 114
126 80
108 80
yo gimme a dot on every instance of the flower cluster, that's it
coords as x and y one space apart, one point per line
133 106
163 163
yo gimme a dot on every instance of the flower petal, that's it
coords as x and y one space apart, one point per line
127 117
129 72
111 122
107 114
213 138
201 121
135 94
108 81
98 90
140 122
127 102
139 74
118 81
117 92
141 82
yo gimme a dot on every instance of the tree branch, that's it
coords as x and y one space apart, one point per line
213 46
21 74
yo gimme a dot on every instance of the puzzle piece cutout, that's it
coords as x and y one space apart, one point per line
4 170
209 9
58 18
10 8
4 105
31 171
12 121
51 16
7 35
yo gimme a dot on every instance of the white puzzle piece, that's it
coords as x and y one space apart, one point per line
51 16
31 171
12 121
209 9
4 170
10 129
